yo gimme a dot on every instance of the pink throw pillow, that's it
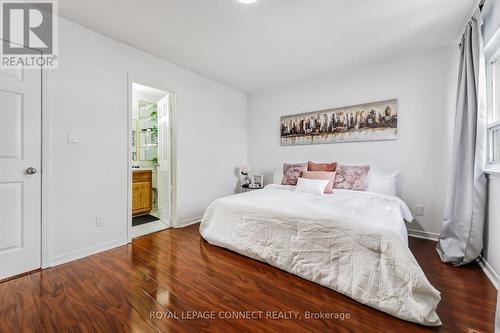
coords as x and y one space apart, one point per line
323 175
352 177
292 172
329 167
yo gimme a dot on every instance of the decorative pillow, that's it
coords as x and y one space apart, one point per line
312 186
328 167
384 183
292 172
352 177
330 176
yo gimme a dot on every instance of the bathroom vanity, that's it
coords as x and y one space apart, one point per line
142 191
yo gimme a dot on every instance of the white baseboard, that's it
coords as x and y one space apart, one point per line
423 234
187 222
59 260
86 252
488 270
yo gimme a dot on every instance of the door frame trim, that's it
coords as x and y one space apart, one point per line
46 168
133 78
46 214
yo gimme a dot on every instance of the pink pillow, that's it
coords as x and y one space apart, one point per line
330 167
352 177
323 175
292 172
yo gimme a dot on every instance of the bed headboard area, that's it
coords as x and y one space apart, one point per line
380 181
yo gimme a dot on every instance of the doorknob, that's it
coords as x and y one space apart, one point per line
31 171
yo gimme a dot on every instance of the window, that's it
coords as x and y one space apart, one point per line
493 118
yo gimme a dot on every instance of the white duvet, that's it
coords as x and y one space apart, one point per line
352 242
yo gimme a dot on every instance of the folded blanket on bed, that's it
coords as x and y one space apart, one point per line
352 242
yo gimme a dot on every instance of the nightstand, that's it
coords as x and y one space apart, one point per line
248 189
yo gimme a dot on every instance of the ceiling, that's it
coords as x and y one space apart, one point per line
154 94
273 42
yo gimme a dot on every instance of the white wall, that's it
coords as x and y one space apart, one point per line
88 93
425 86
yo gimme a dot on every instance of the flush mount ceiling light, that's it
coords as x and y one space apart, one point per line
247 1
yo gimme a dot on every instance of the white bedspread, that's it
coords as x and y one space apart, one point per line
352 242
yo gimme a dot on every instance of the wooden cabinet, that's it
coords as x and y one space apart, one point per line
142 197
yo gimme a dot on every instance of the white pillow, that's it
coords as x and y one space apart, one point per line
383 182
277 175
312 186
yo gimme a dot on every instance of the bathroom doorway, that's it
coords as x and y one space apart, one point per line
151 155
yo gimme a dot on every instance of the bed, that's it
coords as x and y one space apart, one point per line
353 242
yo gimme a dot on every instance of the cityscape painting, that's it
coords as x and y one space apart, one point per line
363 122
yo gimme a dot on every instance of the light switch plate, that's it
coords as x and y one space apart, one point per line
99 221
72 136
419 210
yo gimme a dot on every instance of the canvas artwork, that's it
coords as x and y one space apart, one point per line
363 122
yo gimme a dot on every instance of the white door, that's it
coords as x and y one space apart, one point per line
20 160
164 154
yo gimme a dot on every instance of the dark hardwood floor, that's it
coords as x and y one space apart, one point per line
142 286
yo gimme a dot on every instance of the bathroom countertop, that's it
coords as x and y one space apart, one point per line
141 169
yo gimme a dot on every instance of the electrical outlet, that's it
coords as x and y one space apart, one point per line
72 136
99 221
419 210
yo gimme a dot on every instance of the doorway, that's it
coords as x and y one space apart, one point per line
151 157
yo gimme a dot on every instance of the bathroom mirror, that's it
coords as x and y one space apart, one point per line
145 133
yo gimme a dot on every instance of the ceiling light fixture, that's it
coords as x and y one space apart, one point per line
247 2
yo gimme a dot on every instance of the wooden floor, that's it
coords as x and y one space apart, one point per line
142 286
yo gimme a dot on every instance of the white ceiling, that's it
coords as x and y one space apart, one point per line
273 42
154 94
